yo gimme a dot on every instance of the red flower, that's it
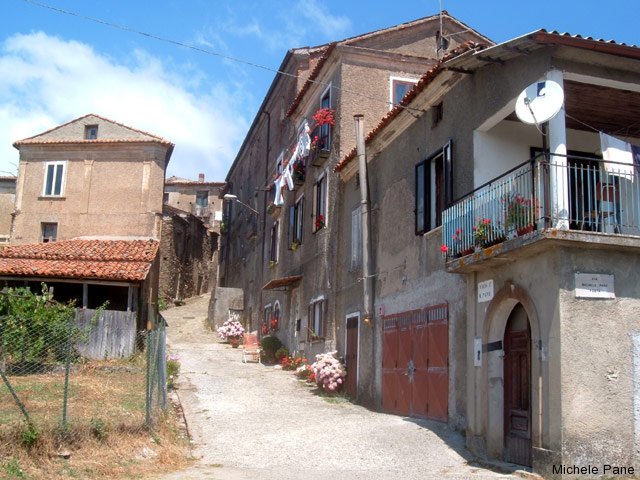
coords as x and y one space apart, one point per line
265 329
319 222
444 248
324 116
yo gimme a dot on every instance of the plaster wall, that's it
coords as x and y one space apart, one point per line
109 190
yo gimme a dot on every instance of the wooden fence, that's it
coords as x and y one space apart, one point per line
112 336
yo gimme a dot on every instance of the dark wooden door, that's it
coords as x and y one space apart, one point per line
415 363
351 358
517 389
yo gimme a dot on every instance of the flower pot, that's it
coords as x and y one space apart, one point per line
466 252
235 342
525 230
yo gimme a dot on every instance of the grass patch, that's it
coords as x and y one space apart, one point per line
105 438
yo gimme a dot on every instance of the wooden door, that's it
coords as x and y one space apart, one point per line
351 358
517 388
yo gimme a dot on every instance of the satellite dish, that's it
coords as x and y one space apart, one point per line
539 102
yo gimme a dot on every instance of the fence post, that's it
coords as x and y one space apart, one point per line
15 396
162 364
67 364
149 386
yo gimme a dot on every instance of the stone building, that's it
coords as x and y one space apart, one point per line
87 218
199 198
281 246
506 254
7 200
89 177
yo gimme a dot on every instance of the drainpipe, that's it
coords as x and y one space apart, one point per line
367 263
265 194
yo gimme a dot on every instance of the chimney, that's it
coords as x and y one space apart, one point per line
201 177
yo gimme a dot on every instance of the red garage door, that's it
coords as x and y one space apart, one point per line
415 363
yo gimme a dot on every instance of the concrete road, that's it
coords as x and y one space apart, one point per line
250 421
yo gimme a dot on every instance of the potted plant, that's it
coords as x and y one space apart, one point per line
320 138
298 173
519 214
294 246
483 233
273 209
319 222
231 331
457 246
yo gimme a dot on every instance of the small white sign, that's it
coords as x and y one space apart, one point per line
477 352
594 285
485 291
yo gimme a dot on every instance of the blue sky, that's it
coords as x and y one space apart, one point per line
54 67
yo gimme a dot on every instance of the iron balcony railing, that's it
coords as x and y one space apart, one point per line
574 192
200 210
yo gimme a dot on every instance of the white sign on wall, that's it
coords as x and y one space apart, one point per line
485 291
594 285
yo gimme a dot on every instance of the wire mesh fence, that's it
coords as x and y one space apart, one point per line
56 388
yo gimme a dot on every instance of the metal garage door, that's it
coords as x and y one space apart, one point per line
415 363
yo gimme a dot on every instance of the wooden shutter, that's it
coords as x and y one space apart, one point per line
356 237
421 196
448 173
315 207
291 232
309 321
323 319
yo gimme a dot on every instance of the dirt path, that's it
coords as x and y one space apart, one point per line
249 421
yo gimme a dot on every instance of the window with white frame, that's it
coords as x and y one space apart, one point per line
356 237
49 231
399 88
53 179
296 224
317 319
320 203
434 189
273 250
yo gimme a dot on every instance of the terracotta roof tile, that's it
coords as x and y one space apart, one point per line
125 260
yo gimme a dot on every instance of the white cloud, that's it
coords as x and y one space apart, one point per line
46 81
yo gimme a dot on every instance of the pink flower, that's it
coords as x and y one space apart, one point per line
444 248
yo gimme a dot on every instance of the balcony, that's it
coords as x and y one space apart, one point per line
201 211
553 197
320 145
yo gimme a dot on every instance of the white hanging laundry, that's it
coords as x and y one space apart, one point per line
618 151
304 141
278 200
287 174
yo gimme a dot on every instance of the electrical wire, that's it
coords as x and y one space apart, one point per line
209 52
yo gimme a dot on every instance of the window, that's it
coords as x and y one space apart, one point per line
91 132
296 215
202 199
434 189
49 232
273 250
53 179
279 162
317 317
399 88
320 204
356 237
436 114
266 319
165 198
324 133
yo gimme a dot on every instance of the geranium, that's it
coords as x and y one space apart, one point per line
319 222
265 329
304 370
482 231
324 116
329 372
273 324
230 329
519 211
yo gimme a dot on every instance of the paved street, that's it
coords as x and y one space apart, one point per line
249 421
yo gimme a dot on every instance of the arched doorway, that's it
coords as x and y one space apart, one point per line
517 387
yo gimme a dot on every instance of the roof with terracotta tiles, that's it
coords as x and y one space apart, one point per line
517 46
65 133
120 260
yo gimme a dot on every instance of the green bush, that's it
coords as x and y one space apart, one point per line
99 428
270 345
30 435
281 352
173 369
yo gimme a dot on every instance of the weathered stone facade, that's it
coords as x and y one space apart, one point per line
186 251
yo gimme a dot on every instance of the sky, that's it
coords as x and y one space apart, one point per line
56 67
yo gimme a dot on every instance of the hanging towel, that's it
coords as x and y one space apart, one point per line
287 174
618 151
278 200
